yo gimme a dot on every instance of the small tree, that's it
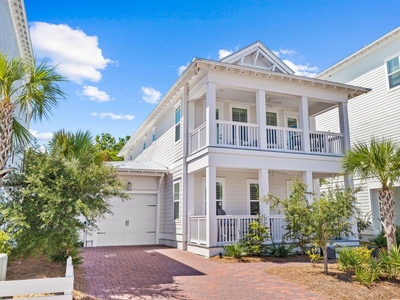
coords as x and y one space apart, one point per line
108 147
52 199
257 235
320 220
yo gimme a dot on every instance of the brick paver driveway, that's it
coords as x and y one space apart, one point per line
153 272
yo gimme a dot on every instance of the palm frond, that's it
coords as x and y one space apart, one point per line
21 135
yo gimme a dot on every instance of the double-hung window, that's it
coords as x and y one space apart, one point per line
177 123
177 192
393 71
254 199
239 114
153 134
219 196
144 143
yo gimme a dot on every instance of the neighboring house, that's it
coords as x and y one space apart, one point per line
376 114
225 135
15 40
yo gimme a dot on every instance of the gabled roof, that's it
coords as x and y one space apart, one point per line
138 166
362 52
257 55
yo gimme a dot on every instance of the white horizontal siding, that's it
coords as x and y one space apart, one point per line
164 150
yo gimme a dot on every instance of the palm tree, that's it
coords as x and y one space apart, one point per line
378 159
73 145
28 91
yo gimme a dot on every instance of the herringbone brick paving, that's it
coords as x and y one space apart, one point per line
157 272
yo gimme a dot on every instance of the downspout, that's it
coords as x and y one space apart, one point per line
158 208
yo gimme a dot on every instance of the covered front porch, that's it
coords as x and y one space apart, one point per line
236 199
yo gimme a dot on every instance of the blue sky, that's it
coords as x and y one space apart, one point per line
122 56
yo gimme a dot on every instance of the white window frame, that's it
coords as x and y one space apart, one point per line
275 111
204 194
248 182
387 73
178 182
176 124
144 146
239 105
153 134
292 115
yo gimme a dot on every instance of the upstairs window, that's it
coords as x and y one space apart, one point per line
239 114
153 134
254 198
177 124
393 71
272 119
144 143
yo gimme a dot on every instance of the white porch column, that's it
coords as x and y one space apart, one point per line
211 137
304 123
263 186
344 125
211 214
308 180
190 202
261 118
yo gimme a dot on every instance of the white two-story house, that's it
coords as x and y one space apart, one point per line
225 135
375 114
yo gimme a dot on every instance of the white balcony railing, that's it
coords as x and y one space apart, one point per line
237 134
198 138
231 228
326 142
245 135
198 234
283 138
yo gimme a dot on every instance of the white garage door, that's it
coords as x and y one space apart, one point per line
133 222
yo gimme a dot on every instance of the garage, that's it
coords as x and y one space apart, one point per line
133 221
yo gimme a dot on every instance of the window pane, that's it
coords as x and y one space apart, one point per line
177 115
394 79
254 208
177 132
239 115
153 137
393 65
219 191
272 120
292 122
217 114
176 191
176 210
254 191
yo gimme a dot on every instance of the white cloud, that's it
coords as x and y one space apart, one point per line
77 53
113 116
150 95
181 69
303 70
45 136
224 53
94 94
287 52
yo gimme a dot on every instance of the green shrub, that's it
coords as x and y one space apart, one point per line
349 258
315 256
254 240
282 249
5 242
234 250
390 261
367 274
379 240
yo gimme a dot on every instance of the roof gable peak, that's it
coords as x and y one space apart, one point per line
257 55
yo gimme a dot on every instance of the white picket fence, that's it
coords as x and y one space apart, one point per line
63 285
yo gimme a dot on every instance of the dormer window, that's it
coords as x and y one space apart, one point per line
393 71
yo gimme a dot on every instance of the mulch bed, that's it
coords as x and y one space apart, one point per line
40 267
252 259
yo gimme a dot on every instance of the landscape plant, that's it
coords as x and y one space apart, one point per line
320 219
52 199
26 90
379 158
349 258
282 249
368 273
390 261
235 250
258 233
315 255
5 242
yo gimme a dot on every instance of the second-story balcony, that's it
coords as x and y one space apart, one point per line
248 136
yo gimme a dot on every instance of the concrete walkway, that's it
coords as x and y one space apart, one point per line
153 272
